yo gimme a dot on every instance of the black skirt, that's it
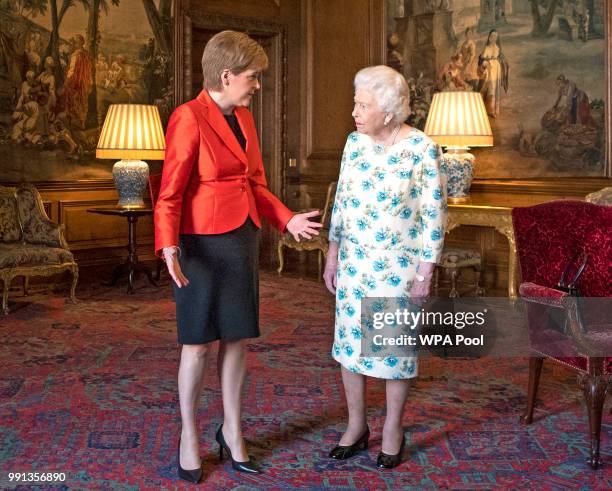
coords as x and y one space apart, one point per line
221 300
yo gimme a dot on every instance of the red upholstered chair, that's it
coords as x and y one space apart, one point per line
548 237
154 187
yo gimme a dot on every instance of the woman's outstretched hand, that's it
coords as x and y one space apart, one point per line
301 226
174 268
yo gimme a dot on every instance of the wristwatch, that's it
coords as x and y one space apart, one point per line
419 277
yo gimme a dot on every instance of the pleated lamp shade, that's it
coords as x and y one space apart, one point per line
132 132
459 120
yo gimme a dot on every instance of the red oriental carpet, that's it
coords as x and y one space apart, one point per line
90 390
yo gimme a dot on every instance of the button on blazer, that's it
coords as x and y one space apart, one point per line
209 184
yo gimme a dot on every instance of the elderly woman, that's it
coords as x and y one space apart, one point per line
207 221
385 236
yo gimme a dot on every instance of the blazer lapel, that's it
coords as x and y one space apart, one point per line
219 125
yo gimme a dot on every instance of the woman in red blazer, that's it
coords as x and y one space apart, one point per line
207 221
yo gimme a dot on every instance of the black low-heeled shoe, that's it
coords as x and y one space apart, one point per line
246 466
193 475
341 452
386 461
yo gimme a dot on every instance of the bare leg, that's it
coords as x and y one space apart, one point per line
191 371
232 370
354 388
397 391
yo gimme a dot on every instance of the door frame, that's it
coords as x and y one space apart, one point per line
274 139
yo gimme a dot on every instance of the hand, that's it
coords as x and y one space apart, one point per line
331 267
420 289
174 268
299 225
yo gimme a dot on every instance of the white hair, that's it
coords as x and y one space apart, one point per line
389 89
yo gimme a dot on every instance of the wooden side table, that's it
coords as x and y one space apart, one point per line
131 267
485 215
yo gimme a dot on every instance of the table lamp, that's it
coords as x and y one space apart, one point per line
458 120
131 132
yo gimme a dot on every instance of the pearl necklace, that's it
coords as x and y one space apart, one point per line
383 146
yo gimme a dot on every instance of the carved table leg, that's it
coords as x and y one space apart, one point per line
280 258
75 279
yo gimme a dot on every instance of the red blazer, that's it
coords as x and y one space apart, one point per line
209 184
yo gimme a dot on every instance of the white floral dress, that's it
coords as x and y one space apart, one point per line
389 213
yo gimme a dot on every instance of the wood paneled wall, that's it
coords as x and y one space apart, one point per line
324 43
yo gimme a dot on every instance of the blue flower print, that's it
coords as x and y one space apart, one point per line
355 202
432 151
393 160
351 270
437 193
342 332
352 238
415 140
356 332
343 254
380 175
413 232
354 154
336 350
405 213
366 185
382 196
372 213
395 239
379 265
396 200
349 310
403 261
364 165
360 252
430 172
415 191
341 293
379 305
381 235
354 136
367 363
348 350
362 224
416 158
427 253
393 280
391 361
359 293
405 174
436 234
368 281
430 212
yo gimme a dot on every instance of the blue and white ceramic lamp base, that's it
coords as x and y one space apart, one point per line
460 167
130 178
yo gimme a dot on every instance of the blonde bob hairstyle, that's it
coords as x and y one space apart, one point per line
230 50
389 89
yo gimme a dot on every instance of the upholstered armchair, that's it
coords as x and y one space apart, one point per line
30 243
548 238
319 242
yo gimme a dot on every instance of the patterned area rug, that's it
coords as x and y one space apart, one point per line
90 390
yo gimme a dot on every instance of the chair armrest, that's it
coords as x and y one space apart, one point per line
532 292
550 297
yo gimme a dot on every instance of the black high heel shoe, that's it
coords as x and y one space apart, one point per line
386 461
246 466
194 475
341 452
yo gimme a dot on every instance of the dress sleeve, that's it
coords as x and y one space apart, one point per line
433 209
336 227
